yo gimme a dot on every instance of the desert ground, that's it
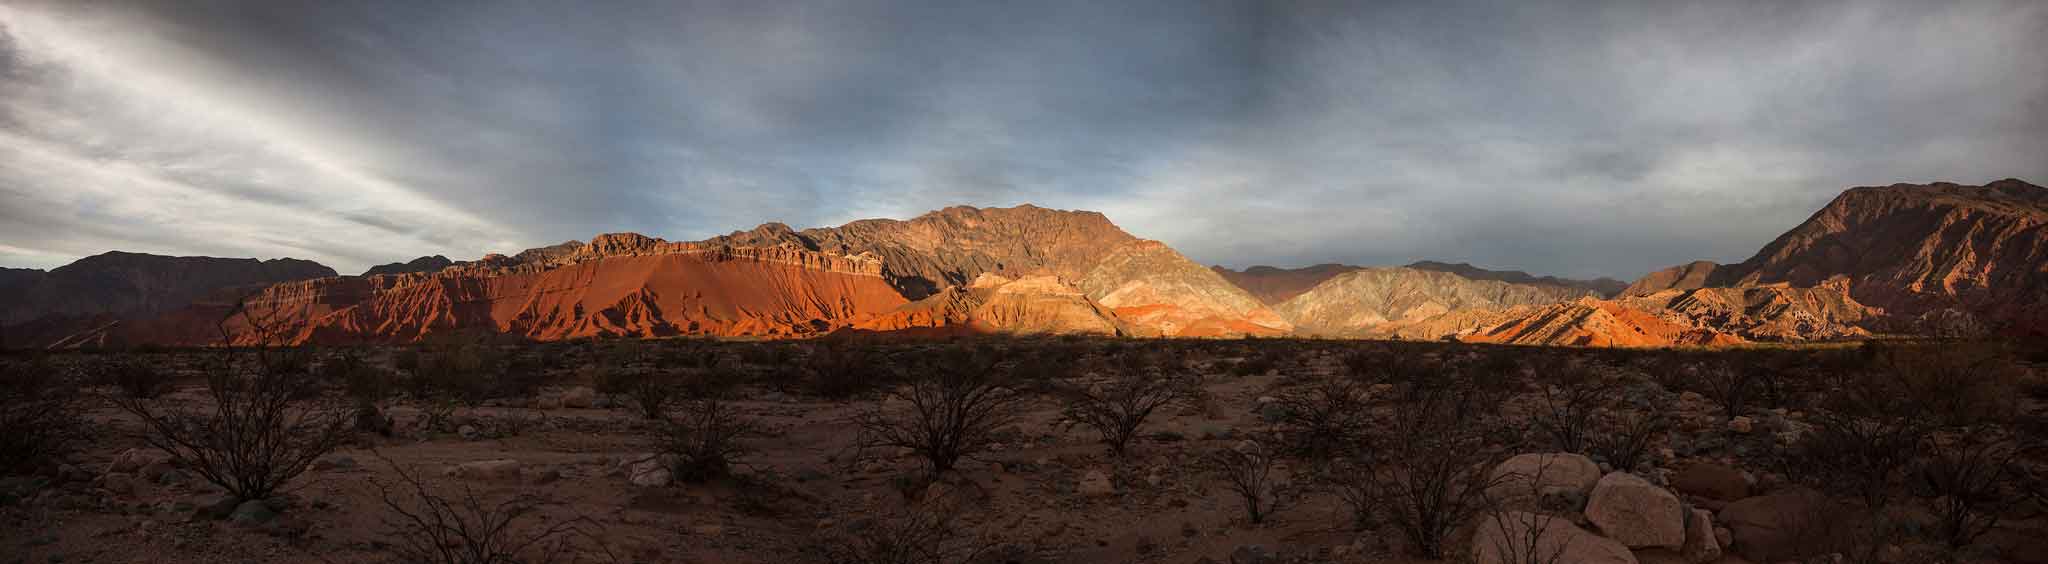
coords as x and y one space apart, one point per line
825 451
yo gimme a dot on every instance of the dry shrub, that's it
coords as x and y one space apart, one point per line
1970 483
40 417
259 433
134 376
704 439
1118 408
948 413
1569 403
918 537
429 528
1324 419
1248 472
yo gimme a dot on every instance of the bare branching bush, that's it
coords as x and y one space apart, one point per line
1324 419
1433 467
134 376
466 374
1730 386
1624 440
1118 408
704 439
429 528
919 537
258 433
39 416
1860 445
1955 384
1248 472
1970 484
841 370
949 412
1569 403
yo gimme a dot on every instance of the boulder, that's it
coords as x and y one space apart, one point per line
1711 481
504 469
215 507
1534 476
1741 424
1507 538
117 482
649 469
580 397
653 478
1636 512
1783 525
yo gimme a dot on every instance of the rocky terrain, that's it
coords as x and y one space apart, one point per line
423 264
1267 451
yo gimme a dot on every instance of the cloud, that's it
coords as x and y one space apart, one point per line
1580 138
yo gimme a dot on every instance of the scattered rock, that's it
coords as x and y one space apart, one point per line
1637 513
653 478
469 432
117 482
252 512
132 460
215 507
1094 483
1251 554
1741 424
547 476
1505 539
1711 481
503 469
580 397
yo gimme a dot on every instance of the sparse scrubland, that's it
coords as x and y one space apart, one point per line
1047 449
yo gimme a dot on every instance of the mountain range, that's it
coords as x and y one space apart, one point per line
1901 259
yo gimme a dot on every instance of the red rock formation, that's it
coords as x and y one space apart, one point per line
618 285
1603 287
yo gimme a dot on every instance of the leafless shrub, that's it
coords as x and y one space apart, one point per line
1625 440
704 439
1970 484
1248 472
1859 452
39 416
1323 419
466 374
919 537
949 413
426 527
840 370
258 434
1433 472
134 376
1569 403
1730 386
1117 409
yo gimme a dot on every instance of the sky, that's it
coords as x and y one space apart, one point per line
1569 138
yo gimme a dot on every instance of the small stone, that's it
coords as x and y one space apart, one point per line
1250 554
503 469
579 397
469 433
215 507
1094 483
1741 424
252 512
708 530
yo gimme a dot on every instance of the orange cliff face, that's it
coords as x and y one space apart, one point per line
649 288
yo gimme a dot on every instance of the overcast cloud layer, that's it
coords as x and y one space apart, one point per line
1573 138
